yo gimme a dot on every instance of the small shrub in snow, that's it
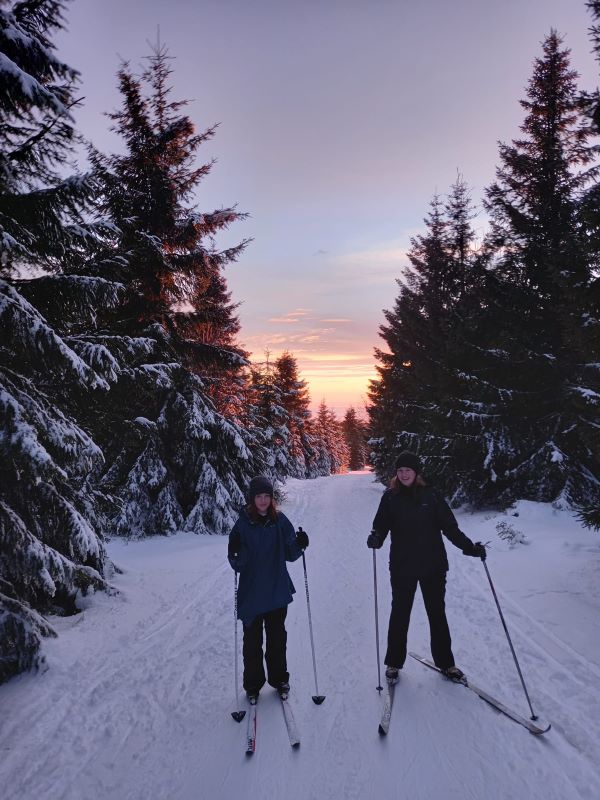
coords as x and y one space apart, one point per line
510 534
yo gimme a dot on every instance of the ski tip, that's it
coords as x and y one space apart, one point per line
318 699
238 715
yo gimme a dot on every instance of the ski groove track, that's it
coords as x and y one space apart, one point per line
136 701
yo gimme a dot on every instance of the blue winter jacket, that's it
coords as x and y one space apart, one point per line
265 546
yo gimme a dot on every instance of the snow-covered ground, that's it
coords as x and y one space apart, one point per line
136 701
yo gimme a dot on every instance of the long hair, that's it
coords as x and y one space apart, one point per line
396 486
252 511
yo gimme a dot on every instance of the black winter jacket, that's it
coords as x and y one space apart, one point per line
416 518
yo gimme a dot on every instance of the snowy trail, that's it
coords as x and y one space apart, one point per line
136 701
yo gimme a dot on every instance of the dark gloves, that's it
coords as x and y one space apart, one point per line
302 539
477 550
374 540
235 542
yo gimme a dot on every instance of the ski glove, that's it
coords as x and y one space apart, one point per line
374 541
477 550
302 539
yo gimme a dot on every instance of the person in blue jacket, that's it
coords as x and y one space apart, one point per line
260 543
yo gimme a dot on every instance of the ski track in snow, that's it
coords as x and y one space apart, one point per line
136 701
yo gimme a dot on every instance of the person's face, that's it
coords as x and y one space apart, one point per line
406 476
262 502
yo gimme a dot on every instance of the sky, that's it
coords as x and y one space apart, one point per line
338 122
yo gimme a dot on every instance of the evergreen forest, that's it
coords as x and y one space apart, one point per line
129 405
491 364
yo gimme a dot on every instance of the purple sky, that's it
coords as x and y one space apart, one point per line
339 119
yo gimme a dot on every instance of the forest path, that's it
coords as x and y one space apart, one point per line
136 701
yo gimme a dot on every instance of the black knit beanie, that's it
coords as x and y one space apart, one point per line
259 485
409 460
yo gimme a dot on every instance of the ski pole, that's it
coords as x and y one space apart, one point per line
237 715
317 698
379 686
512 649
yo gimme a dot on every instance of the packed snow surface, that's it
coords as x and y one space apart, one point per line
136 702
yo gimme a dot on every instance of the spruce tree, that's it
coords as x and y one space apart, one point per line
589 503
269 420
541 445
330 442
163 248
181 372
51 549
322 429
295 400
422 368
454 448
355 438
41 210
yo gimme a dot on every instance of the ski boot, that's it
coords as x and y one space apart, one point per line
454 674
252 695
283 690
392 674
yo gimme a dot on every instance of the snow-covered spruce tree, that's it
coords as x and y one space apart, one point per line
455 447
179 362
41 210
50 547
295 400
544 445
269 421
330 442
421 371
355 439
589 506
163 247
322 430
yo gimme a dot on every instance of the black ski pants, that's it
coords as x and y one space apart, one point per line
433 589
273 623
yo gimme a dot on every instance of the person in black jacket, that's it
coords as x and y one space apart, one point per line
416 516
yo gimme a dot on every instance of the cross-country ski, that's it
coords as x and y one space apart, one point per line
290 722
531 725
389 689
252 717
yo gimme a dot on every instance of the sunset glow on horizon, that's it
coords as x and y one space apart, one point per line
337 123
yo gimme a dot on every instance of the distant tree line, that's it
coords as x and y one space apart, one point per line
491 369
127 404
